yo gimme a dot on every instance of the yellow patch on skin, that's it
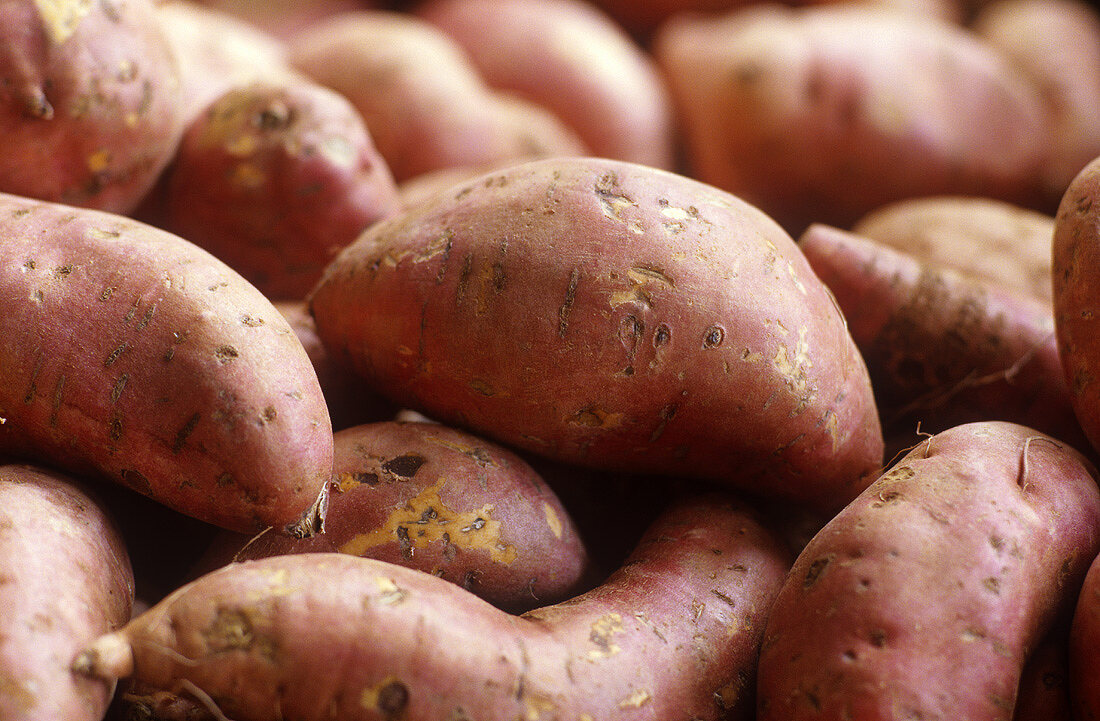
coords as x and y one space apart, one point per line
833 429
247 175
22 694
552 519
61 18
637 699
241 146
793 366
593 417
537 705
602 636
389 593
425 519
99 160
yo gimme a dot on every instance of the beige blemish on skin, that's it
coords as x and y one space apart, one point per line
602 636
638 292
832 428
426 519
480 455
537 705
101 234
593 417
389 593
793 367
637 699
338 151
552 519
61 18
241 146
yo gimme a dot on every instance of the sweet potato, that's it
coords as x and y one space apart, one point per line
1055 43
90 107
569 57
445 502
424 103
1084 649
613 315
65 580
924 597
943 348
322 636
823 114
1075 257
132 353
989 239
217 52
274 179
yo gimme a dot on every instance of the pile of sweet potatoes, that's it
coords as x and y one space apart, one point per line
549 359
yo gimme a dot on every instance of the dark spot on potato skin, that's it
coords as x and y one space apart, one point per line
392 699
404 466
816 571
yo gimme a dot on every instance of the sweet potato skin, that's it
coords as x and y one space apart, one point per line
1075 257
65 579
445 502
985 238
275 178
822 114
90 105
129 352
424 103
944 347
924 597
1084 649
612 315
573 59
264 636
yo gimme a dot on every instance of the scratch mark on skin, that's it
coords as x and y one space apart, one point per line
58 390
666 415
567 305
32 388
613 202
638 292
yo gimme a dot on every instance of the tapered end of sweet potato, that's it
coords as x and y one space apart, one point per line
312 521
108 657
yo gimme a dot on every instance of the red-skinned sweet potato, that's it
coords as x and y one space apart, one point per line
924 597
573 59
428 497
1056 44
90 106
613 315
1084 649
127 351
424 103
274 179
65 580
823 114
989 239
1075 258
322 636
944 348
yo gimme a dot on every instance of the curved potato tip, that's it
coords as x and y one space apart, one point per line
312 521
108 657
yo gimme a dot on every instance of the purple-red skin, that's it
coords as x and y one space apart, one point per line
573 59
924 597
65 579
428 497
1075 259
275 179
611 315
942 347
132 354
1084 649
673 634
90 102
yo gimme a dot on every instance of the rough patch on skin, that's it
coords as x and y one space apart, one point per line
638 292
426 519
19 692
61 18
793 366
613 202
639 698
602 636
593 417
479 455
389 696
552 519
